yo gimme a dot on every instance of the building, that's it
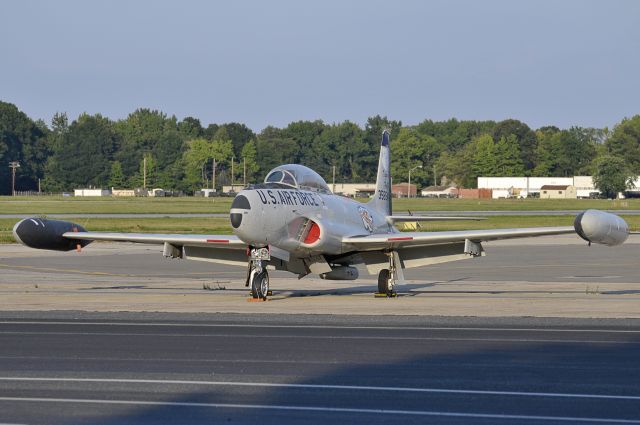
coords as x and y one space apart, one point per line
400 190
475 193
522 187
123 192
439 192
353 190
91 192
549 191
233 189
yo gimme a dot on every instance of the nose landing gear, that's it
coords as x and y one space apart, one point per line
259 284
257 275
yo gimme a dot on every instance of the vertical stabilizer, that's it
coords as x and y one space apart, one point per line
382 198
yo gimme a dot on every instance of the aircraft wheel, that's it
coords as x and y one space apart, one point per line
260 285
383 281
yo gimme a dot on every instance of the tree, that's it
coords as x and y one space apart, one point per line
562 153
338 145
147 175
508 161
147 131
612 176
84 155
25 141
237 133
116 178
274 149
190 128
524 136
249 155
457 167
484 156
199 154
365 164
409 151
624 142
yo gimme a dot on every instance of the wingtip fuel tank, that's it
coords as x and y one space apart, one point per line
42 233
601 227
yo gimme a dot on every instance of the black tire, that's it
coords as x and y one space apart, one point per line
254 284
260 285
383 281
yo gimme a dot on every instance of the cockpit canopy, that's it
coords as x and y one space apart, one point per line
297 176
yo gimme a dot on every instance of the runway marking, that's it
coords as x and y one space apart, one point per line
323 409
333 337
258 325
323 387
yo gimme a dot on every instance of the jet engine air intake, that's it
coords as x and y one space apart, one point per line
312 232
601 227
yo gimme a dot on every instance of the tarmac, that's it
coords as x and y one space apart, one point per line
541 331
537 277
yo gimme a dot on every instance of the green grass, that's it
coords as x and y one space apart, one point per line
206 225
426 204
108 205
80 205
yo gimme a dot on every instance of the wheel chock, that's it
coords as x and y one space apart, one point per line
257 300
383 295
269 293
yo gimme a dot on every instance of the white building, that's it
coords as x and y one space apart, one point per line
508 187
91 192
353 189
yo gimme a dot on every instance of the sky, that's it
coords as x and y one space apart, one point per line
545 62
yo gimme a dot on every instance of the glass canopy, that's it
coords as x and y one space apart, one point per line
298 176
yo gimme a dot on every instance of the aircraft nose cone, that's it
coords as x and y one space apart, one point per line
238 207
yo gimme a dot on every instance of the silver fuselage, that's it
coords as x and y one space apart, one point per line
282 218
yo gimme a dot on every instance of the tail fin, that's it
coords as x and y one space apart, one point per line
382 198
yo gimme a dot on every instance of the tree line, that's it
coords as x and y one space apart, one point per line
93 150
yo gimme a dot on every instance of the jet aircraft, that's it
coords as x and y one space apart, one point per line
293 222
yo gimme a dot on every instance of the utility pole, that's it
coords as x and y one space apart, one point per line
409 183
13 165
435 176
334 179
232 158
213 174
244 172
144 172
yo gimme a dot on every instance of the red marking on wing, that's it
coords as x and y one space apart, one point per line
218 240
404 238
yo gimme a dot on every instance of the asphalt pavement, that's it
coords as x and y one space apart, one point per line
124 368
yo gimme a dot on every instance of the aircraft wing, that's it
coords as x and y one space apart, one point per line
42 233
416 239
227 241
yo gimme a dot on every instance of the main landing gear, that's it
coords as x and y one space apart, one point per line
257 275
388 278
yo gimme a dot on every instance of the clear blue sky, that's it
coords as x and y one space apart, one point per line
272 62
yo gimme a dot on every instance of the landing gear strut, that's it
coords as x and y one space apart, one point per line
257 275
388 278
259 284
